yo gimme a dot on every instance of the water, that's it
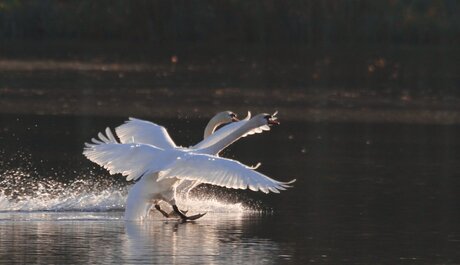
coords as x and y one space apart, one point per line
365 194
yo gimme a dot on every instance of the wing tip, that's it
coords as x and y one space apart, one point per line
287 184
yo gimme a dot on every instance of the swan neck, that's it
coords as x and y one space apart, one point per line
229 139
212 126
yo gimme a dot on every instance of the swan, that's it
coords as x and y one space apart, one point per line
146 132
158 169
141 131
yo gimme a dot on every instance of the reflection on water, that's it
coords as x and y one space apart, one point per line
365 193
84 238
220 238
46 240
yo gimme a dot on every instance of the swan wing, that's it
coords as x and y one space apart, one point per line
131 160
145 132
260 129
221 172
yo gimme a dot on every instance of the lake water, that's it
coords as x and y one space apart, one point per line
365 194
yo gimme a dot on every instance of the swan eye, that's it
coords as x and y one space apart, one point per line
233 116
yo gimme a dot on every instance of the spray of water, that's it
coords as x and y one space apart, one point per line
24 188
21 191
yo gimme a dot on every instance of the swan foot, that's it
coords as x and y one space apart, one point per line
187 218
173 213
165 214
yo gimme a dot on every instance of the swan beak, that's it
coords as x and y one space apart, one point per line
273 122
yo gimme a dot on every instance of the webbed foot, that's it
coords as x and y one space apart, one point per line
187 218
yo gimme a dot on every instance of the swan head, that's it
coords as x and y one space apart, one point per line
225 117
266 119
233 116
219 119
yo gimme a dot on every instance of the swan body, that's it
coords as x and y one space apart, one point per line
141 131
161 169
147 191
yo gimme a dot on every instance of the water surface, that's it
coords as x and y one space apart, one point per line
365 193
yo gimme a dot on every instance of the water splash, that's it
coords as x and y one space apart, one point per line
21 191
210 203
24 188
213 199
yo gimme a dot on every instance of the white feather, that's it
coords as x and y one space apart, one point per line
130 160
146 151
145 132
228 130
136 160
221 172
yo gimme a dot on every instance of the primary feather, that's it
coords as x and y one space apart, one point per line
130 160
221 172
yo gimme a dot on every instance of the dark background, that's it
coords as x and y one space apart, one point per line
315 23
372 61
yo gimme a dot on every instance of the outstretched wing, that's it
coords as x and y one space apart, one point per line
131 160
221 172
144 132
227 130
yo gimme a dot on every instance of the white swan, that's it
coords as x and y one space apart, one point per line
160 170
142 131
146 132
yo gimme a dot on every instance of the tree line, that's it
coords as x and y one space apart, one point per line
245 21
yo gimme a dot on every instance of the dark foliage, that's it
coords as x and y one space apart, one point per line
242 21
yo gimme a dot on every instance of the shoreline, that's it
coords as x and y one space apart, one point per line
299 114
372 84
